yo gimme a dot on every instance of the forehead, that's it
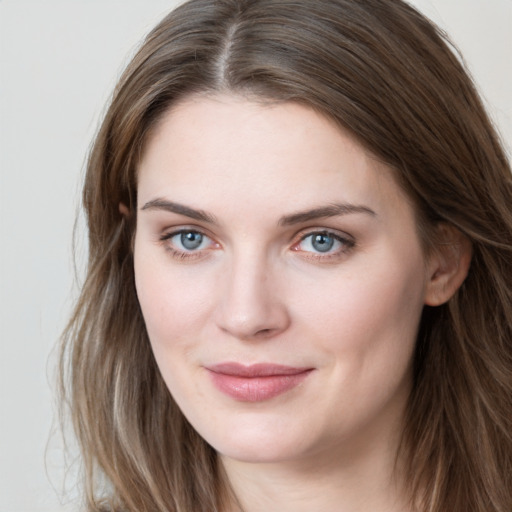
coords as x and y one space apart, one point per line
208 149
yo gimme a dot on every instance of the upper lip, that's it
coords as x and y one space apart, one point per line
255 370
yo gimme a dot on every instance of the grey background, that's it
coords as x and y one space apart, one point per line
58 63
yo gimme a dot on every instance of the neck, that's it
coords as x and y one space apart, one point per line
362 477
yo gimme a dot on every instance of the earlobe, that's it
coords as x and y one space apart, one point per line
123 210
448 265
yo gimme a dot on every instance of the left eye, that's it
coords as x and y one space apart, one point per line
189 240
323 242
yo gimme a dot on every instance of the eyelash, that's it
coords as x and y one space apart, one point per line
346 244
178 254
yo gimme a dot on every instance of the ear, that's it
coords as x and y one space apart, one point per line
124 210
448 265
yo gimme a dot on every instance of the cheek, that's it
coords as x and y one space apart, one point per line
175 308
363 328
175 304
368 313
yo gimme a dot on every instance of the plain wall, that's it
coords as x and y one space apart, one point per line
58 63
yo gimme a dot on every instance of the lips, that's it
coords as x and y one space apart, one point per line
256 383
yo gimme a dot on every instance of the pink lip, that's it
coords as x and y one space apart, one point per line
257 382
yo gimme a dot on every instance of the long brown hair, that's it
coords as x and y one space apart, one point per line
389 76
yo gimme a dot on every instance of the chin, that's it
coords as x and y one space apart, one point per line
255 453
257 443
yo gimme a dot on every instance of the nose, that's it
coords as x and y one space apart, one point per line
251 305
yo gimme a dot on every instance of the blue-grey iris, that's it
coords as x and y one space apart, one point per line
322 242
191 240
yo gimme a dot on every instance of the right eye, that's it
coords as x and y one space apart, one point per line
187 243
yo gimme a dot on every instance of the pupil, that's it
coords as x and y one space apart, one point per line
323 243
191 240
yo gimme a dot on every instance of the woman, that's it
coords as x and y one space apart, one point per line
299 293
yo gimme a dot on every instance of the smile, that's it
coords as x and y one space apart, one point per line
255 383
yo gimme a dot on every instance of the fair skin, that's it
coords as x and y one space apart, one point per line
266 235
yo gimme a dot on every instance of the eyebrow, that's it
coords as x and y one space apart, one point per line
180 209
331 210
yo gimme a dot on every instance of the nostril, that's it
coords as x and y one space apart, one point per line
264 332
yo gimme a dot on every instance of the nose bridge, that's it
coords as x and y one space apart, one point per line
250 304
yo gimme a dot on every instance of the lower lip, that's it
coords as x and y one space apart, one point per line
256 389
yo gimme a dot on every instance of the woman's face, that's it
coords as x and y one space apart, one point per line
281 279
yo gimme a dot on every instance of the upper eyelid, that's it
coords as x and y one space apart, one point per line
326 232
330 231
172 231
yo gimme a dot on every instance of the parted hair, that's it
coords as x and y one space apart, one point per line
392 79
